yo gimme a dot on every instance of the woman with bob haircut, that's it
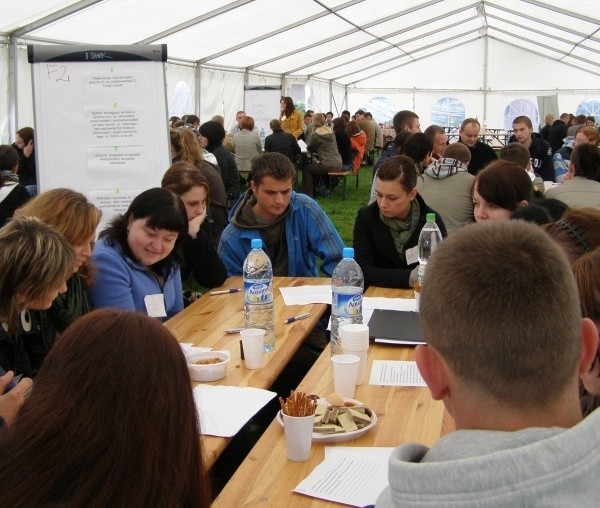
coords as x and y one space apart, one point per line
291 119
577 232
587 275
110 421
212 134
499 189
185 147
35 262
24 144
72 215
247 146
386 230
197 247
138 256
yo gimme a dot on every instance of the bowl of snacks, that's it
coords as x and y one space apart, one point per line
208 366
339 419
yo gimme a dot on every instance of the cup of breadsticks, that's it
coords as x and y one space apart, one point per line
298 412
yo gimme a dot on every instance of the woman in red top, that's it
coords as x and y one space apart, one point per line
358 140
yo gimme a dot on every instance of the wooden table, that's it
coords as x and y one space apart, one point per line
203 324
404 414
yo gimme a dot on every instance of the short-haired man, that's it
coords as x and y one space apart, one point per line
293 227
329 119
378 131
579 122
481 153
294 230
446 186
583 185
516 152
508 373
403 121
308 126
366 125
439 138
558 132
540 152
238 122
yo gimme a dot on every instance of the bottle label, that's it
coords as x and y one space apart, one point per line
258 291
346 305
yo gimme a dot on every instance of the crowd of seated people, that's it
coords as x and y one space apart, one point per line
56 268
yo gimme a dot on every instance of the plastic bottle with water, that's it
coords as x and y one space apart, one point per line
347 284
259 311
429 239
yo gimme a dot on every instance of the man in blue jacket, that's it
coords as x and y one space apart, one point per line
293 227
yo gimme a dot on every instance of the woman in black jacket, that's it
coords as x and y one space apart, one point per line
386 232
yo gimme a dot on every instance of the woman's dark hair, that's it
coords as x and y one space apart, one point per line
504 184
417 146
289 106
110 421
162 209
555 207
401 168
26 134
532 213
214 132
339 124
9 158
400 139
352 127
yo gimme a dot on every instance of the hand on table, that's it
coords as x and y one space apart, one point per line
11 402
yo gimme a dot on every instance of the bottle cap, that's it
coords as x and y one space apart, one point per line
430 218
256 243
348 252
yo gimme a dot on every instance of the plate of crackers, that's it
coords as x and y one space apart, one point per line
339 419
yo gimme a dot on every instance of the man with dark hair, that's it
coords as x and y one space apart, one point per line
516 152
345 115
439 139
540 152
582 187
508 372
558 132
404 121
579 122
481 153
367 126
446 186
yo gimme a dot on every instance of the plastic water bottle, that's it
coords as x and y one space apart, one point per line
347 284
259 311
429 239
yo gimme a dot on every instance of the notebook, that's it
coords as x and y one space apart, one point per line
396 327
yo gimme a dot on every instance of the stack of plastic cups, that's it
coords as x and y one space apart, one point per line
354 339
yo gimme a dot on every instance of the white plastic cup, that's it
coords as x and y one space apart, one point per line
253 344
362 362
345 368
298 436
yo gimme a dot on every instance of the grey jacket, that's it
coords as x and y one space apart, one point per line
545 467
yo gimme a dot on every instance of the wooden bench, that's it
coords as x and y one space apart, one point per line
342 175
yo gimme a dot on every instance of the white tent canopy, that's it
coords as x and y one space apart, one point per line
440 58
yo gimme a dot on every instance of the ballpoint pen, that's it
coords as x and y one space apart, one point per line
233 330
292 319
225 291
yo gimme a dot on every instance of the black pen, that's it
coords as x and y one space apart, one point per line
225 291
292 319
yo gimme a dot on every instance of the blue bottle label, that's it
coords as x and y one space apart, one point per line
258 291
346 305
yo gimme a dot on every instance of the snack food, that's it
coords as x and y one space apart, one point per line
298 404
336 419
208 361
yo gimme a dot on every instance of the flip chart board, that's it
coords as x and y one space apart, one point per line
100 120
262 104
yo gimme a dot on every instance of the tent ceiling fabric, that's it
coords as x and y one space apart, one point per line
347 41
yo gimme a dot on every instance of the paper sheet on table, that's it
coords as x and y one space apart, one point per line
395 373
223 410
303 295
352 476
370 303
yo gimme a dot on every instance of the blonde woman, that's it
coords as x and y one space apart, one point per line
35 262
72 215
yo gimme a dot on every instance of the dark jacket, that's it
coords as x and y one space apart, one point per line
229 172
374 248
27 172
556 134
201 259
344 147
283 143
540 155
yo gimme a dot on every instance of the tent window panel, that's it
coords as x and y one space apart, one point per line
520 107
